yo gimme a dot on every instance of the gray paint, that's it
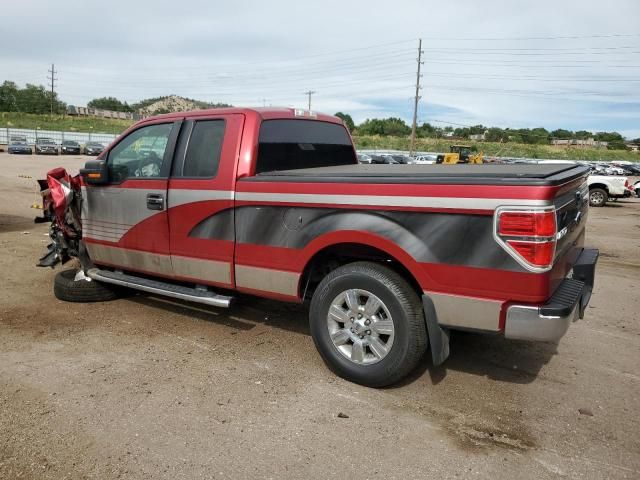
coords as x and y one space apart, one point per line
219 226
428 237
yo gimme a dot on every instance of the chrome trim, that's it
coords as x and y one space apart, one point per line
213 300
524 322
267 280
466 312
389 201
515 255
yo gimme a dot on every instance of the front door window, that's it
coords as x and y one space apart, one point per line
141 154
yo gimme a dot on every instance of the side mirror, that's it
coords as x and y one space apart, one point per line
95 172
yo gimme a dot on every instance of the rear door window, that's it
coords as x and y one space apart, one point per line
202 154
290 144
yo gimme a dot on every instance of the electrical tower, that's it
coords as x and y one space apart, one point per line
52 78
415 100
309 93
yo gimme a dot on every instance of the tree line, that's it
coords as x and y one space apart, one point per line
30 99
396 127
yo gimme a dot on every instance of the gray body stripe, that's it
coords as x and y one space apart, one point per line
389 201
466 312
267 280
182 196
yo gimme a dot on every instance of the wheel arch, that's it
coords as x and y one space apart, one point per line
599 185
339 248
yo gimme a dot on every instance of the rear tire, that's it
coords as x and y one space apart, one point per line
68 289
389 310
598 197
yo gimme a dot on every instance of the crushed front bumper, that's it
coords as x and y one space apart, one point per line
549 322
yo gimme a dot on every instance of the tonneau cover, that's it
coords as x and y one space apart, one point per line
496 174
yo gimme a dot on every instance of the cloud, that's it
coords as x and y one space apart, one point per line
570 64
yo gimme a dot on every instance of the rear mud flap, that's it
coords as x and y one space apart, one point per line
438 336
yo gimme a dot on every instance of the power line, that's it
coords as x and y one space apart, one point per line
563 37
309 93
415 99
53 79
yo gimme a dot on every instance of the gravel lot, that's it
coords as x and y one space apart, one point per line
143 387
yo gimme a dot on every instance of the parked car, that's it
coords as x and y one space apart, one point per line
633 170
93 148
607 169
46 146
274 203
403 159
383 159
70 147
604 187
426 159
19 147
636 188
364 158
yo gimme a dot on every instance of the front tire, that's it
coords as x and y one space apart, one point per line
368 324
69 289
598 197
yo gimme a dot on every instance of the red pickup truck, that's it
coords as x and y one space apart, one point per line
273 202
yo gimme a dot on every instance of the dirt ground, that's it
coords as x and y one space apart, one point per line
144 388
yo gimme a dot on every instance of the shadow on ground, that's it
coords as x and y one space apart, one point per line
489 356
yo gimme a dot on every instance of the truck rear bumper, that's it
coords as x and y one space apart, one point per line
549 322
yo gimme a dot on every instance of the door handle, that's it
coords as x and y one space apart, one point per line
155 201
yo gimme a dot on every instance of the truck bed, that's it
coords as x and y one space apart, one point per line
514 174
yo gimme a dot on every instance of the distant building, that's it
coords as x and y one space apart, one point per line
97 112
587 143
634 147
478 137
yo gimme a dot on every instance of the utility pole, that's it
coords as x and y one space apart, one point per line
309 93
415 100
53 79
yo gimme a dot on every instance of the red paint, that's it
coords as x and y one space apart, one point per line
442 278
167 232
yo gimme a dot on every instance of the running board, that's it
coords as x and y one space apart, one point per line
160 288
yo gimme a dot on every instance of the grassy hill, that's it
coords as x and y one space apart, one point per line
172 103
64 123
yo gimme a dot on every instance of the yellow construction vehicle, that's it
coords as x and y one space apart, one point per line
459 154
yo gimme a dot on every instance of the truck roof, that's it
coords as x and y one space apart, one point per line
266 113
504 174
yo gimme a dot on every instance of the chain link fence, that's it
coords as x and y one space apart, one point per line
6 134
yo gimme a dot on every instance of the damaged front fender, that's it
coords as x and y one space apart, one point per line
61 196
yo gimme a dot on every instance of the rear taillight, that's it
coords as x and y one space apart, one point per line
529 236
527 224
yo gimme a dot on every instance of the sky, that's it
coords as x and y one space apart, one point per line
553 64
